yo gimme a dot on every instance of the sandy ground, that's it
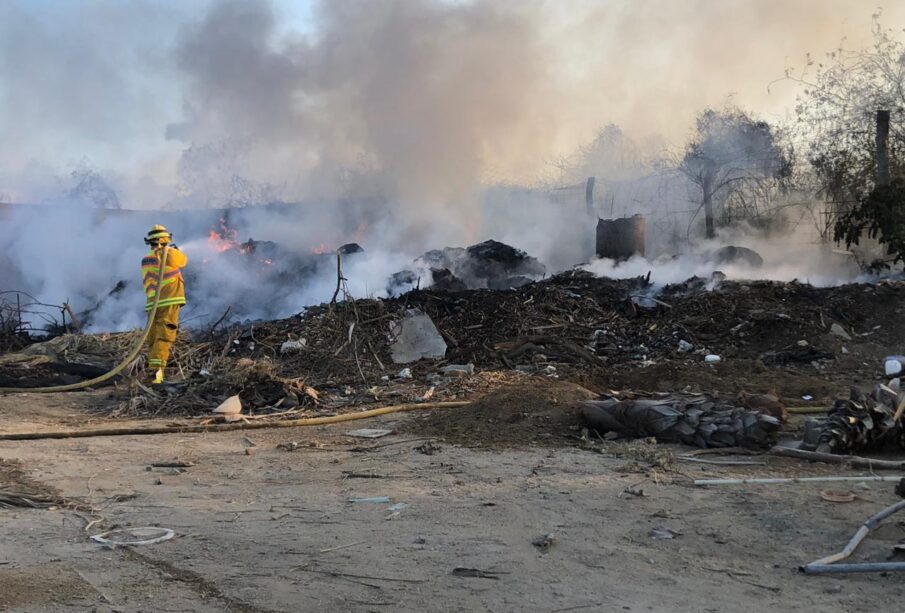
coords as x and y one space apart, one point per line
260 528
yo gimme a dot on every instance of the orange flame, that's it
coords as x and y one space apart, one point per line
321 249
224 240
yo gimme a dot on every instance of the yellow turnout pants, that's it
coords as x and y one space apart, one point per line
162 336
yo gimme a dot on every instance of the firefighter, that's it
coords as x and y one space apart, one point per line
172 296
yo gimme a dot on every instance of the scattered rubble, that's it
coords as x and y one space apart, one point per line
573 326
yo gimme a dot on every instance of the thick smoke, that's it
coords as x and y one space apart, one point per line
417 99
382 121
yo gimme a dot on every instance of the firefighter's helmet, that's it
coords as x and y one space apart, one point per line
159 235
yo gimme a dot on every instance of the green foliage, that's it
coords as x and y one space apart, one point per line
880 215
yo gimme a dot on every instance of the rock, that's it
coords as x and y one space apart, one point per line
544 541
416 337
712 358
230 406
405 373
802 343
458 370
893 365
685 346
839 331
293 346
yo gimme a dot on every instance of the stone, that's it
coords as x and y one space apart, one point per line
230 406
458 370
839 331
893 365
415 337
293 346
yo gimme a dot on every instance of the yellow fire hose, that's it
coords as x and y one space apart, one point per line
247 425
119 367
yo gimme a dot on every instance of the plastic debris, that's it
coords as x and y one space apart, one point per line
692 419
129 537
405 373
369 433
663 533
371 500
837 496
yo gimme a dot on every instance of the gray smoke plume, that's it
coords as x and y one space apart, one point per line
383 121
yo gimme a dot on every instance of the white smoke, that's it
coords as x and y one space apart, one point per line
382 121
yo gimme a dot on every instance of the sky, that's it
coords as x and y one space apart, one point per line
293 94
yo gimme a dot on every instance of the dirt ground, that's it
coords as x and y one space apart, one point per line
259 528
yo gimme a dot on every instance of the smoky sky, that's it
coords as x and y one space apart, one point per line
392 117
427 98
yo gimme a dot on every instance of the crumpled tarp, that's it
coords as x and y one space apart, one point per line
691 419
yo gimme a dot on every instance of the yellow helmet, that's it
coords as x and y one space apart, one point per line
158 234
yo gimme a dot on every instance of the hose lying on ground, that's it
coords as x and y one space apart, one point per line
119 367
254 425
829 563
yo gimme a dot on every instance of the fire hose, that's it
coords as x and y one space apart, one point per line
133 353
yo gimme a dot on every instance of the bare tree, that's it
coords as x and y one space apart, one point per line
729 152
836 117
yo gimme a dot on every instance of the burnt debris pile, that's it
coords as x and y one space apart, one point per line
572 326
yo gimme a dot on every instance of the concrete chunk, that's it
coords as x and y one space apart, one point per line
416 337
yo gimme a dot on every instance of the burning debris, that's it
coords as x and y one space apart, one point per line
570 325
491 264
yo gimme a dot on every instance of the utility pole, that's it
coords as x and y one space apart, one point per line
589 196
882 150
